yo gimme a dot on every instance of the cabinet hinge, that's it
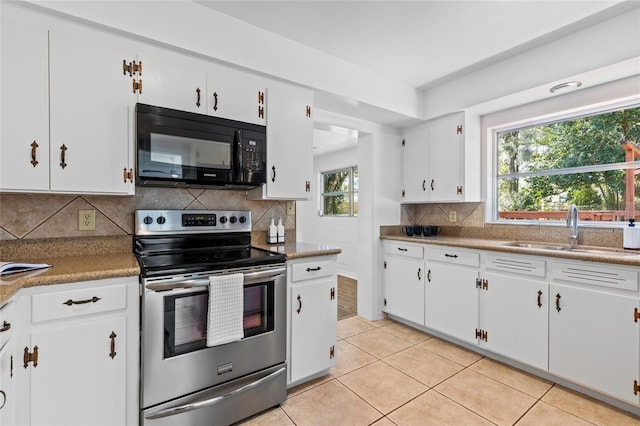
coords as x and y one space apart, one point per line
459 129
30 356
307 186
481 334
385 302
482 283
385 264
332 352
332 294
308 111
131 68
636 315
403 193
11 366
459 190
260 97
137 86
127 175
403 142
260 111
636 388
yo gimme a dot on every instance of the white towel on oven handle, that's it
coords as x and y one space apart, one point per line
226 309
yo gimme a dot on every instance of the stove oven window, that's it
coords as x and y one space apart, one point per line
185 317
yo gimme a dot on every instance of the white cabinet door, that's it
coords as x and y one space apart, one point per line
446 157
8 395
236 95
289 145
451 300
81 374
313 332
514 314
594 341
24 129
416 160
404 280
173 81
89 104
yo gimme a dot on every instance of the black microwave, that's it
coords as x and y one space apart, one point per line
179 148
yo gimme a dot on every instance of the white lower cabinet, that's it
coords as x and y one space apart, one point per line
7 382
77 358
451 296
313 316
404 278
594 340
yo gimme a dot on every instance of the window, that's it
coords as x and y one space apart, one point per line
340 192
591 161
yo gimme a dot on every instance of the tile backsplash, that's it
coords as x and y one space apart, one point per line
43 216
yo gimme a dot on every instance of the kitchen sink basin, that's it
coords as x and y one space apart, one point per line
569 249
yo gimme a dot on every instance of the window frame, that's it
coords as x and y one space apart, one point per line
350 193
492 181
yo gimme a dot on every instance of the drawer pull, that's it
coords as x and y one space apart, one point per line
70 302
313 269
402 249
455 256
5 326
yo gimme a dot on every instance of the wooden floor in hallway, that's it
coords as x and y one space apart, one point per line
347 297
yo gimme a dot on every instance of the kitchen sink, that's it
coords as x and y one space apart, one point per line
569 249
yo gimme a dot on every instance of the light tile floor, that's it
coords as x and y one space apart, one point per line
391 374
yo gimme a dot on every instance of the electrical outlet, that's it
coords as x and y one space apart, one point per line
86 220
291 208
453 217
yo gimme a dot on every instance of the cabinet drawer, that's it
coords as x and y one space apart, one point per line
75 303
457 257
596 274
516 264
313 269
404 250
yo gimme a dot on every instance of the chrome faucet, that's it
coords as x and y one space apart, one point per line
572 222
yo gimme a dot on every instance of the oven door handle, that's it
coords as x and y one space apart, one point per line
199 404
249 278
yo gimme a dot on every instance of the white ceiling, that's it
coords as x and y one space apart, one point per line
416 43
419 43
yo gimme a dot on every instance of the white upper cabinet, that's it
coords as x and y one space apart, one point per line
236 95
89 115
24 127
441 162
170 80
289 145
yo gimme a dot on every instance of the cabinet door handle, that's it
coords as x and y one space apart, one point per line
419 274
313 269
198 97
63 150
433 181
299 304
558 302
6 326
539 298
273 169
70 302
429 275
215 101
424 185
113 352
34 162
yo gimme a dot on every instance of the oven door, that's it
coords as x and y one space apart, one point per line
175 358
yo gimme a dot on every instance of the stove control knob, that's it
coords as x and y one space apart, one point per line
242 219
161 220
148 220
223 219
233 219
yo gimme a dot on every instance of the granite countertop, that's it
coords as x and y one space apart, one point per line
69 269
597 254
299 250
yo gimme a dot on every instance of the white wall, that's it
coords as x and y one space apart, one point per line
339 232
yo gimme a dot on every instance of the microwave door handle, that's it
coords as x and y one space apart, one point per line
237 155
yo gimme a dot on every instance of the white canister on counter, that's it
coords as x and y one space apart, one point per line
280 231
631 236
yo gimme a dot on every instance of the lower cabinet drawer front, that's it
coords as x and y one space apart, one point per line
597 274
314 269
456 257
75 303
400 249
